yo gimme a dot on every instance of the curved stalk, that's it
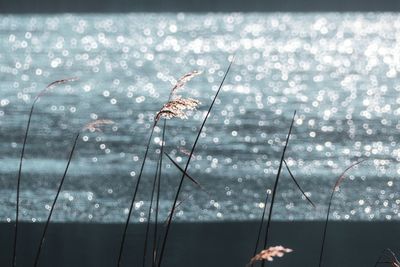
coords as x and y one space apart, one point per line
338 181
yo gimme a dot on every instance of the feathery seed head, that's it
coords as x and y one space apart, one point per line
95 125
177 108
54 84
270 253
183 80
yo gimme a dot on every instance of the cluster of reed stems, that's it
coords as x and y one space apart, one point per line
258 257
91 126
176 107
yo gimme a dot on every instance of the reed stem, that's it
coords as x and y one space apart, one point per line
54 203
149 214
14 259
337 183
134 198
155 244
186 168
276 184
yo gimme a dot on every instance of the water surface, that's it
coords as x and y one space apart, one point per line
339 71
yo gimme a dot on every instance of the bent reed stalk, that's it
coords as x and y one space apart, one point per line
298 185
40 94
336 186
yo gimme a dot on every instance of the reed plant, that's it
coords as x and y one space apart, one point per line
334 189
162 249
35 100
175 107
92 126
276 185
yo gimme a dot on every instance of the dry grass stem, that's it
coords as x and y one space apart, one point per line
335 187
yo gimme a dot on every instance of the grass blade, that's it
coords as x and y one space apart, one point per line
297 184
186 174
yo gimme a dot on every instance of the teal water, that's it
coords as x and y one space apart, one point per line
339 71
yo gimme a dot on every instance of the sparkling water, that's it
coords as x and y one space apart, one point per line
339 71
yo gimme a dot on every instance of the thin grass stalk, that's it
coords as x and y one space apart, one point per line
41 93
187 175
260 226
158 197
340 179
298 185
186 167
14 261
276 184
134 198
149 214
42 239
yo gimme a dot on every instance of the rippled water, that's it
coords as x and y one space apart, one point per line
338 70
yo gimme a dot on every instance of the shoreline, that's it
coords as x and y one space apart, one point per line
202 244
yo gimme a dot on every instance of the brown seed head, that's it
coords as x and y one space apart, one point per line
270 253
177 108
54 84
183 80
95 125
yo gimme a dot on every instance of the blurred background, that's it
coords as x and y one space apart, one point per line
338 70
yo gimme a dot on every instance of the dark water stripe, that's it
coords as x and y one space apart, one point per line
45 6
203 244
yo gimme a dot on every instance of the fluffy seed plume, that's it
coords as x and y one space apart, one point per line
177 108
343 175
56 83
183 80
95 125
269 254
